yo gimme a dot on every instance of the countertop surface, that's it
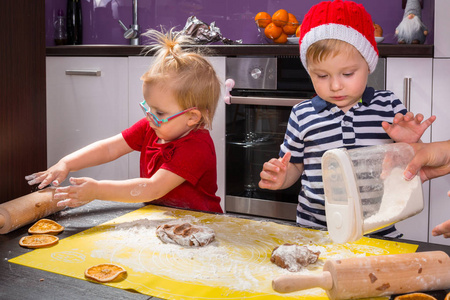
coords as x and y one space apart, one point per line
385 50
20 282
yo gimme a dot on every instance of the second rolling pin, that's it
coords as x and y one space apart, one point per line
27 209
374 276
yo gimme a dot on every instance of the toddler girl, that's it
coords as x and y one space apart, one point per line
178 159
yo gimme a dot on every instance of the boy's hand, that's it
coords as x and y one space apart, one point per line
81 192
274 172
407 128
54 175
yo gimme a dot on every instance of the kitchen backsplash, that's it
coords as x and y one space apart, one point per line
235 18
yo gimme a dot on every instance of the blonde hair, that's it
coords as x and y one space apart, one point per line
322 49
185 72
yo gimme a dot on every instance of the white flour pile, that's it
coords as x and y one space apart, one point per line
239 258
401 199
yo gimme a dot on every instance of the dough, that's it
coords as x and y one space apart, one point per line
185 234
293 257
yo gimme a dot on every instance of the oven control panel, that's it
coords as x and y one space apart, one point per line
252 72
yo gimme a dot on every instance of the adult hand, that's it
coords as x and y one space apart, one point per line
443 228
430 161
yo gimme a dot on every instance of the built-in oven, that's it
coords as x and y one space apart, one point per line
265 89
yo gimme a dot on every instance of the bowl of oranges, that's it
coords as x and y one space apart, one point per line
280 28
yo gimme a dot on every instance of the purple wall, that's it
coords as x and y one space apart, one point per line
233 17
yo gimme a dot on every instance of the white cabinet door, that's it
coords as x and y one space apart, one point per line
439 201
82 109
441 29
218 130
137 66
419 70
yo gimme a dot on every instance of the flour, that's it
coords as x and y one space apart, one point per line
401 199
137 190
238 259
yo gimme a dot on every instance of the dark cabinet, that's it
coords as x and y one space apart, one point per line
22 95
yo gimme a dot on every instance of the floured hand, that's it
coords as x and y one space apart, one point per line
81 192
54 176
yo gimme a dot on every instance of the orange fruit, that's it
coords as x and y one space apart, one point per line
292 18
280 17
272 31
263 19
105 272
291 25
378 30
281 39
297 32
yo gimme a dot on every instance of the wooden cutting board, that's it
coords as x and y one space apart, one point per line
235 266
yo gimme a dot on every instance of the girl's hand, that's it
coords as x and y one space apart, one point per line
274 173
81 192
54 175
407 128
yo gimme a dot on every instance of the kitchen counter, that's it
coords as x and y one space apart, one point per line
20 282
386 50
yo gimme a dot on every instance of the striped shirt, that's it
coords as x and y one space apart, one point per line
316 126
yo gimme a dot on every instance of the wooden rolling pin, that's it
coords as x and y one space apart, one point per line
29 208
374 276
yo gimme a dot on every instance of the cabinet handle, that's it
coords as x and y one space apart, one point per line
407 92
265 101
84 72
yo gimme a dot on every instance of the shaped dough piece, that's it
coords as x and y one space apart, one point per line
293 257
185 234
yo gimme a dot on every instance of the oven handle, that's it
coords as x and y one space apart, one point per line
265 101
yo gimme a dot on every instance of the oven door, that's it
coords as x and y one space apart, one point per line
254 132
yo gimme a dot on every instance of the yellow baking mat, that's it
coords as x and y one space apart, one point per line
235 266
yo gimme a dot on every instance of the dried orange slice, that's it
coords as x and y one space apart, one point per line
38 241
104 272
415 296
45 226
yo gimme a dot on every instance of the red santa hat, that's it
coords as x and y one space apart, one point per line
341 20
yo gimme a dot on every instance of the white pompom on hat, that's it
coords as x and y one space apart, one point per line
341 20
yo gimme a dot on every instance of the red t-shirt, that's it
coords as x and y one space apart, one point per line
192 157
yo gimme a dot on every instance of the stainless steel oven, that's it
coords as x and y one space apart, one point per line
261 100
